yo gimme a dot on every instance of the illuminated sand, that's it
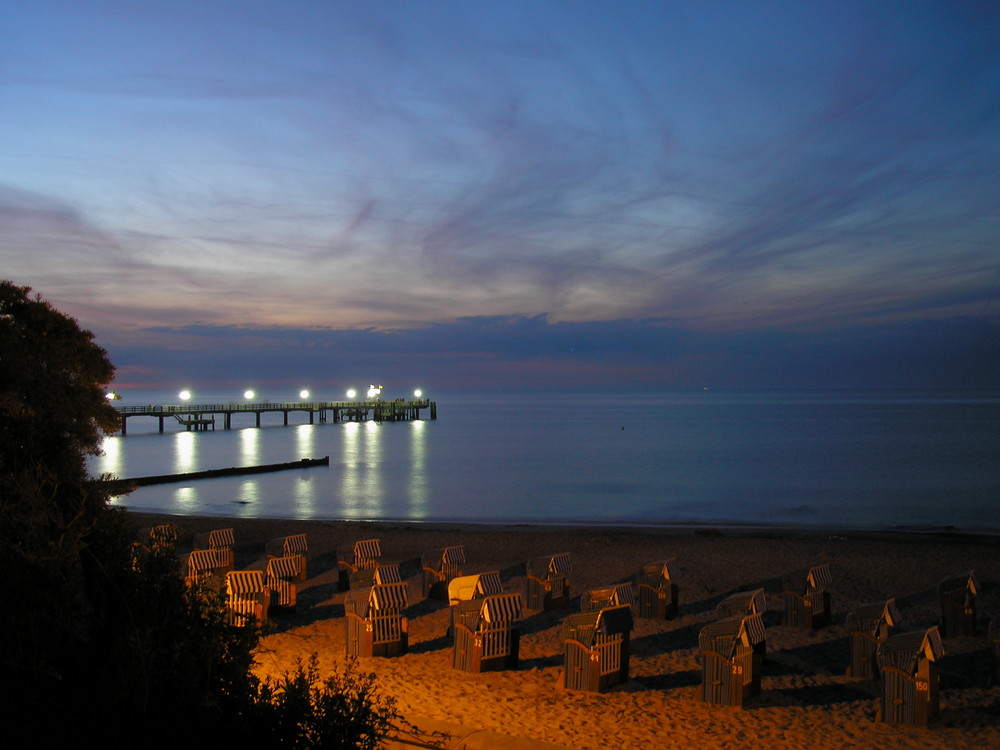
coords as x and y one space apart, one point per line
806 700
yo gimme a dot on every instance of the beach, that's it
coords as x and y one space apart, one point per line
805 700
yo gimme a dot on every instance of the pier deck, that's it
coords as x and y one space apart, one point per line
202 416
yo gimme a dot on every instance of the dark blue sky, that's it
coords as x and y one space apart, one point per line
504 194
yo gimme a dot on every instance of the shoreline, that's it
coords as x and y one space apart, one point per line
805 694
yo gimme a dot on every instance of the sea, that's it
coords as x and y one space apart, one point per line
849 460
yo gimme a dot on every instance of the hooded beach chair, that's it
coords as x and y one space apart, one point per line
247 597
868 627
295 546
484 636
596 648
469 588
910 681
731 662
374 620
658 598
548 581
958 605
281 572
353 557
203 564
162 536
439 567
222 541
807 601
615 595
744 604
364 578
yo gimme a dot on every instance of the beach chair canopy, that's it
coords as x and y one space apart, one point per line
295 544
870 617
959 584
380 598
284 567
585 626
362 553
742 603
215 539
158 537
366 577
436 559
608 596
550 566
808 580
726 636
466 588
906 650
205 561
502 608
656 573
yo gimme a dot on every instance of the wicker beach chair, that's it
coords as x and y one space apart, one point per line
731 663
471 588
958 605
910 682
807 601
220 540
868 627
365 578
658 592
548 581
374 620
162 536
352 557
295 545
281 573
203 564
485 639
439 567
615 595
596 648
247 597
751 602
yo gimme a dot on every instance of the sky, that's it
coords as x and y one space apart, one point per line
506 195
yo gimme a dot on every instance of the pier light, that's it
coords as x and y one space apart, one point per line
113 396
374 391
304 394
248 394
351 393
418 393
184 395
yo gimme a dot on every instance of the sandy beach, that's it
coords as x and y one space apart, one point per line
806 700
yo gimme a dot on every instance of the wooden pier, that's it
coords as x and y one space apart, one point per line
202 416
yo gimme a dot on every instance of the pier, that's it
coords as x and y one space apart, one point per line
198 417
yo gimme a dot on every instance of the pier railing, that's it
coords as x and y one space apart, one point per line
336 411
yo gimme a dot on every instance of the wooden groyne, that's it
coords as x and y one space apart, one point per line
203 416
123 485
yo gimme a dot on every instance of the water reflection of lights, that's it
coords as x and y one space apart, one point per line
418 465
184 452
250 445
305 492
112 459
361 486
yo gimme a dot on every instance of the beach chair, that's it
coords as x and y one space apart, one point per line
469 588
374 620
203 564
162 536
910 681
616 595
731 663
548 581
281 573
222 541
365 578
294 545
485 639
596 648
439 567
958 605
658 598
807 601
247 597
868 627
352 557
751 602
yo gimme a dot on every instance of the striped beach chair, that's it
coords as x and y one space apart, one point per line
596 648
868 627
247 597
222 541
958 605
203 564
910 682
485 639
731 664
162 536
470 588
364 578
658 592
353 557
751 602
548 581
439 567
374 620
616 595
281 572
294 545
807 600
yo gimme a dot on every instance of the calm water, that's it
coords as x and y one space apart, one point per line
848 460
